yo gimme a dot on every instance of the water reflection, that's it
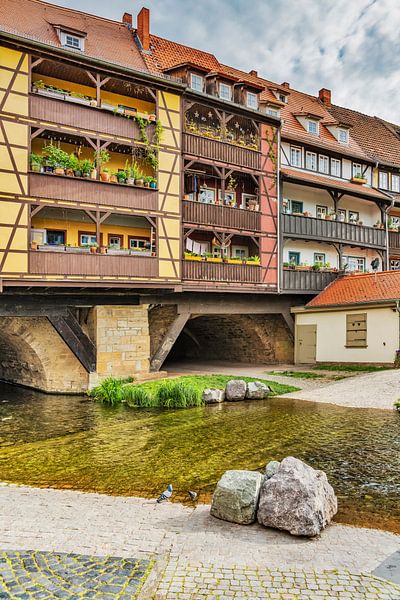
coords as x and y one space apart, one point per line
71 442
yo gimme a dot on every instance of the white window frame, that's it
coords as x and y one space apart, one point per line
200 79
116 246
320 254
296 151
247 197
310 126
311 161
252 100
383 180
273 112
321 211
39 236
336 167
244 251
283 98
228 90
395 183
137 243
343 136
91 239
77 41
323 160
357 170
354 261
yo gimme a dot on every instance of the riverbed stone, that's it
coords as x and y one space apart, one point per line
213 396
235 390
257 390
298 499
271 468
236 497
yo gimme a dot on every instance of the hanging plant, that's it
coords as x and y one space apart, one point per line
142 124
158 132
231 184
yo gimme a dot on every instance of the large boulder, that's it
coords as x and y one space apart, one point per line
235 390
213 396
271 468
297 498
256 390
236 497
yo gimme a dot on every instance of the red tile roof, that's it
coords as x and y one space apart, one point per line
359 289
106 40
333 183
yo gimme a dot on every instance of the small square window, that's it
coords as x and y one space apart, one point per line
312 127
252 101
294 258
225 91
343 136
282 98
272 112
196 82
68 40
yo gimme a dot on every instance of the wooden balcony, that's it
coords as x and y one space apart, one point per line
88 118
394 240
221 216
309 228
101 265
220 272
224 152
60 187
306 282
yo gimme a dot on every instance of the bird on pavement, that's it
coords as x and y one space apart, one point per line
166 495
192 495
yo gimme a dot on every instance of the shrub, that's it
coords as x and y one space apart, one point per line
109 391
135 395
172 394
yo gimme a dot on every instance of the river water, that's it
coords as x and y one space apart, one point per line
72 442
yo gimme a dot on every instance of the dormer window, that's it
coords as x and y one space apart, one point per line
312 127
273 112
196 82
225 91
283 98
252 100
69 40
343 136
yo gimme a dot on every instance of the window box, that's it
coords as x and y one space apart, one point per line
192 257
214 259
234 261
359 180
60 95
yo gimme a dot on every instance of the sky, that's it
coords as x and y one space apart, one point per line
349 46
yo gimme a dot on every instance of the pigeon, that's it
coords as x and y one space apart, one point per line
192 495
166 495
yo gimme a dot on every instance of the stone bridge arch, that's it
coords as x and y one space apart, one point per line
33 354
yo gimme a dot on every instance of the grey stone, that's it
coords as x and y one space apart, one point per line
235 390
298 499
213 396
236 497
271 468
256 390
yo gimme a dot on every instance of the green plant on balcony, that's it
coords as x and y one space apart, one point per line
86 167
36 162
253 260
158 133
231 184
56 158
39 84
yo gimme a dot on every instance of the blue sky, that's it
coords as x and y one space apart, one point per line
349 46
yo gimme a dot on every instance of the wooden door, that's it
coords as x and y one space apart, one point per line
306 344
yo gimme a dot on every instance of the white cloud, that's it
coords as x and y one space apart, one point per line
349 46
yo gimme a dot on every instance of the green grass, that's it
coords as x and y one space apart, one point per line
296 374
358 368
180 392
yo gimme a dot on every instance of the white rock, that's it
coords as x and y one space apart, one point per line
271 468
236 497
257 390
235 390
213 396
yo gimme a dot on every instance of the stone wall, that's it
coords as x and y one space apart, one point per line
160 319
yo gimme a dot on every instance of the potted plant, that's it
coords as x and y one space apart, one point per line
105 175
93 102
153 183
93 247
131 171
211 258
56 158
36 162
113 177
103 249
147 180
86 166
358 178
253 260
139 179
73 165
34 245
121 176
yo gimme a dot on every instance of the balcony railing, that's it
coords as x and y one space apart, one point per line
394 240
195 145
334 231
220 272
221 216
84 117
101 265
308 282
60 187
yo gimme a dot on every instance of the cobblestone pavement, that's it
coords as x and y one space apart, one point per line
182 581
48 575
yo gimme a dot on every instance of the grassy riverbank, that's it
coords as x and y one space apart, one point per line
179 392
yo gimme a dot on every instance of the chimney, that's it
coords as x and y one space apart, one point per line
254 73
324 96
143 28
127 19
286 85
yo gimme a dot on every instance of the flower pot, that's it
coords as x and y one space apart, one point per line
59 171
131 112
103 249
78 173
70 173
130 181
86 175
35 167
139 182
152 117
358 180
34 245
93 250
113 179
146 184
105 176
153 185
121 180
93 102
93 174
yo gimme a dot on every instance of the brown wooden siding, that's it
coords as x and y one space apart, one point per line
210 214
59 187
306 281
394 240
82 117
195 145
334 231
205 271
102 265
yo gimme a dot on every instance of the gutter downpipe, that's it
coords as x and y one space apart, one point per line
397 358
279 203
387 209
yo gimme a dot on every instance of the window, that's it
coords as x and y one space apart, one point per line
55 237
343 136
311 161
295 156
240 252
196 82
273 112
383 180
86 239
319 257
354 216
354 263
342 214
394 264
395 183
207 196
323 164
296 206
356 331
249 201
230 198
252 101
294 258
336 167
115 242
283 98
38 236
321 211
138 243
312 127
357 170
69 40
225 91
